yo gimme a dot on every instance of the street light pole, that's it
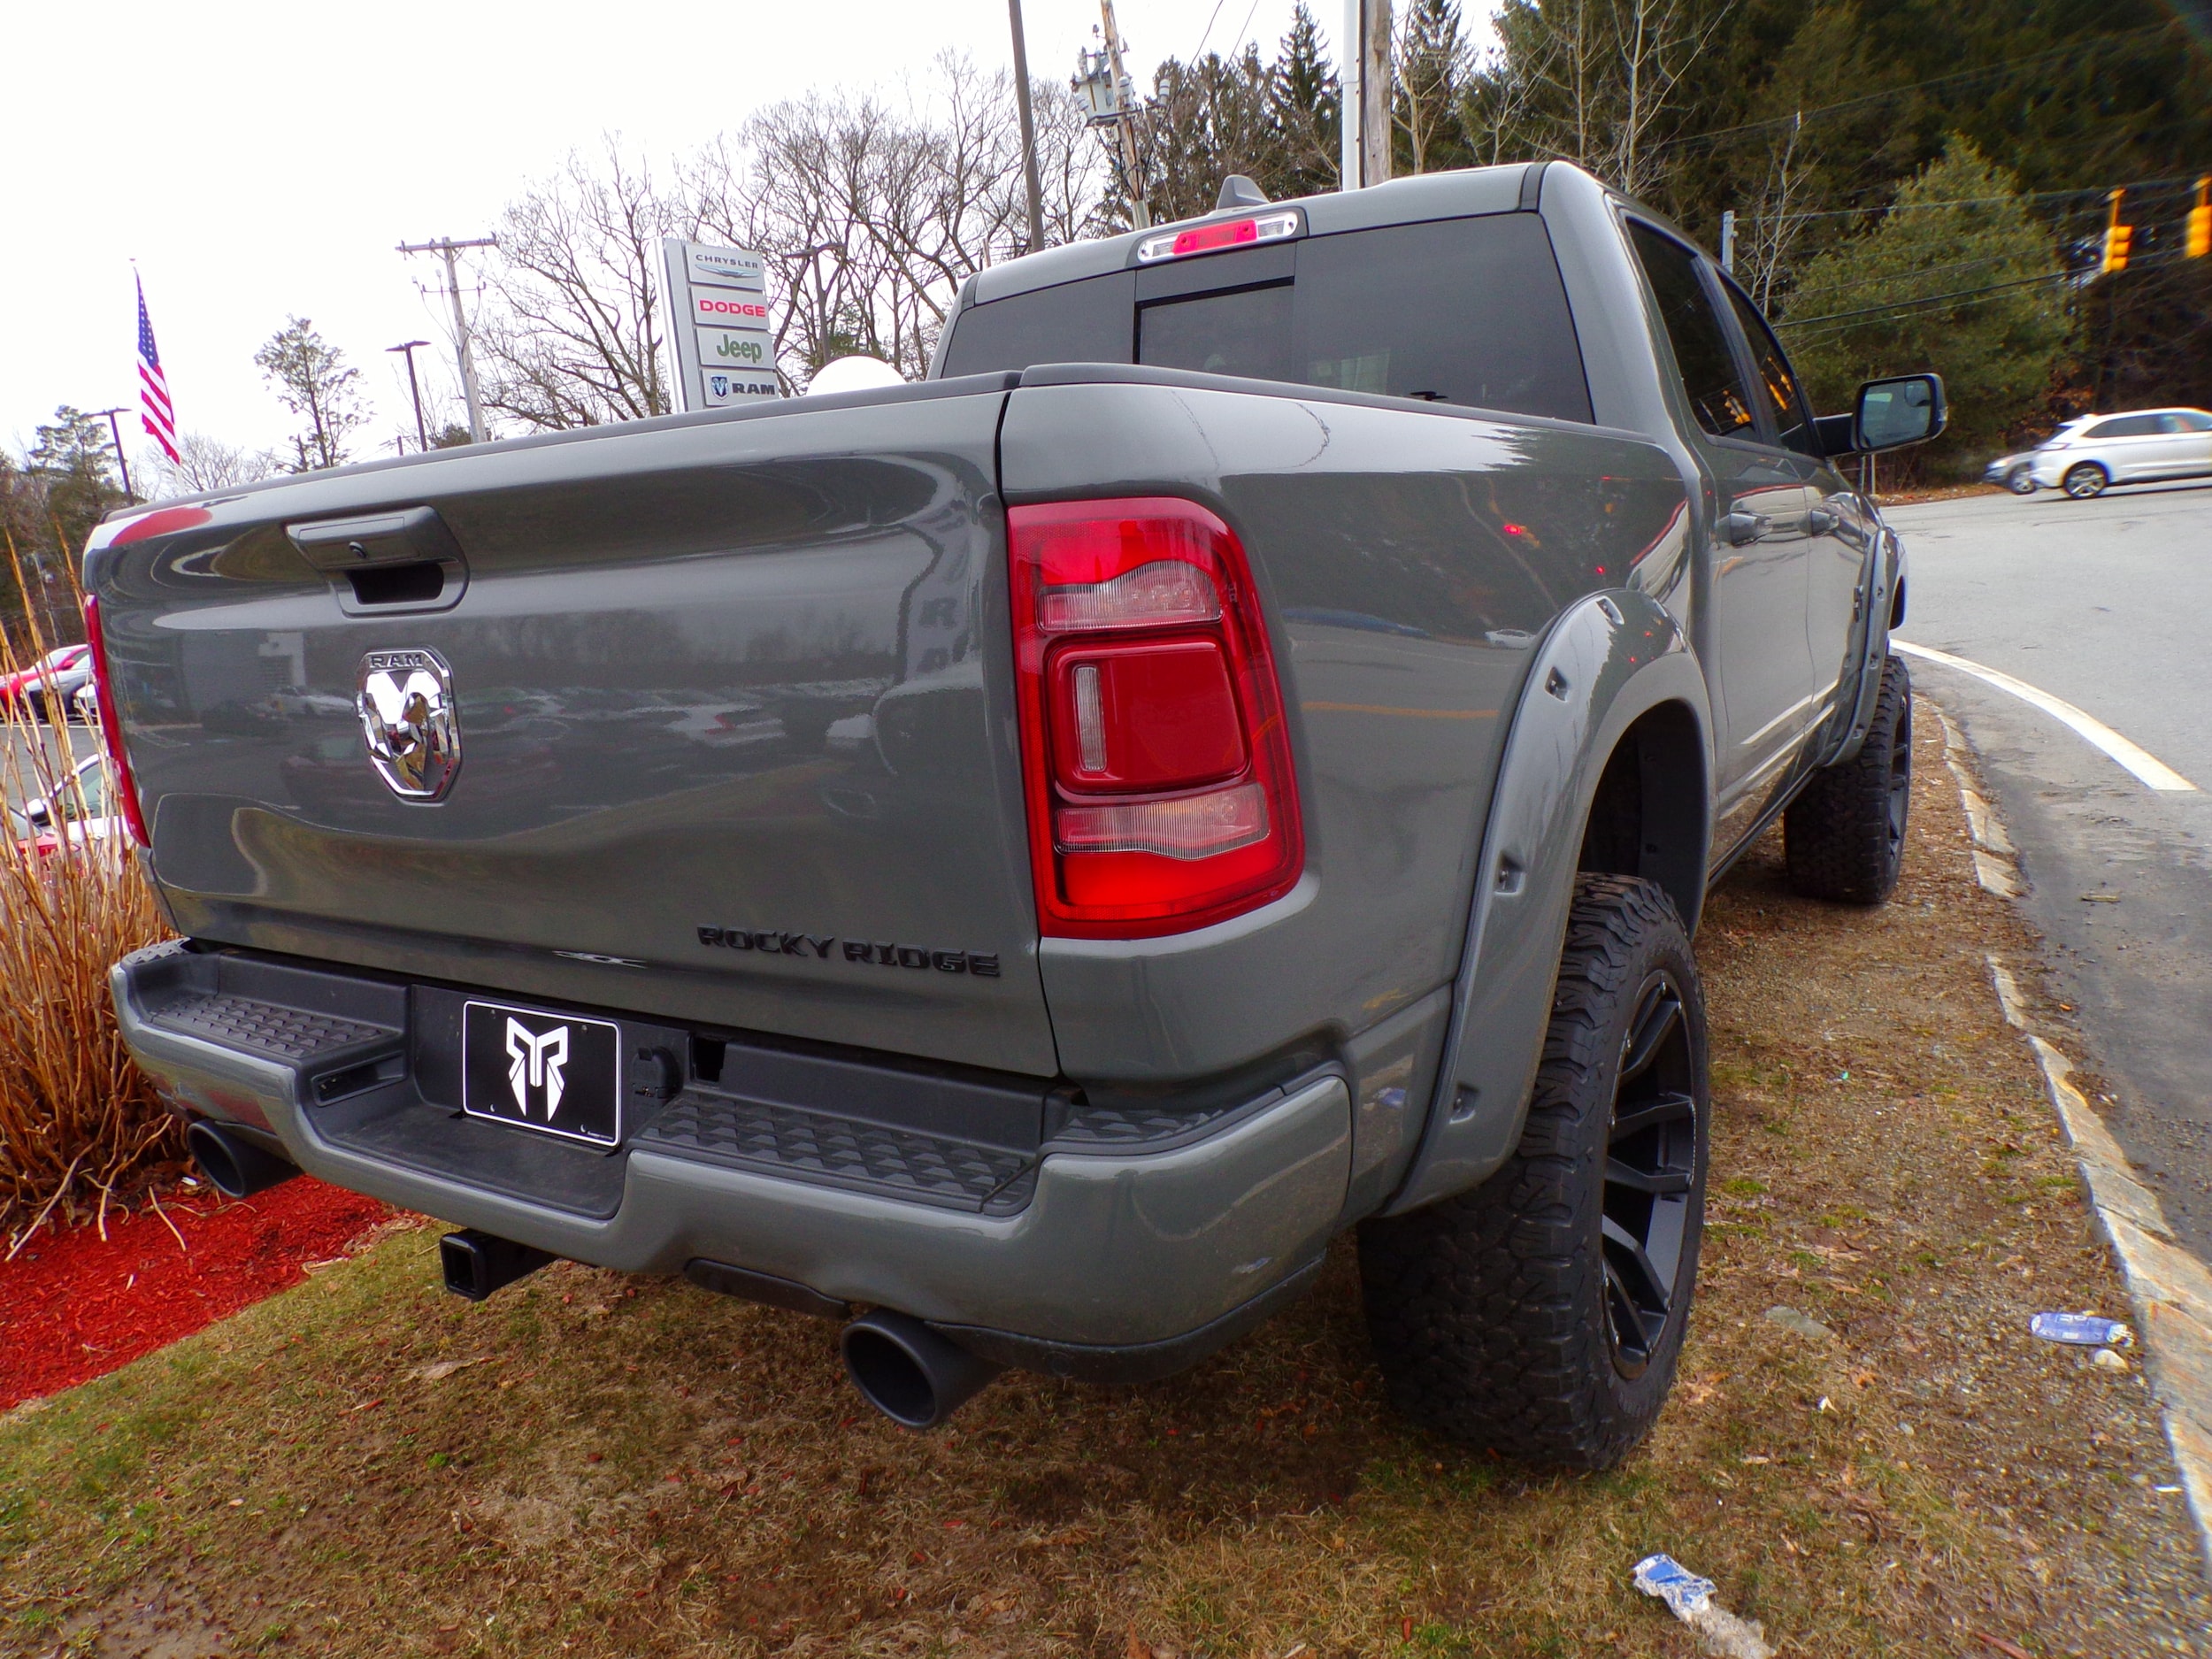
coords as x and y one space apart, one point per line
1029 129
451 249
422 433
122 460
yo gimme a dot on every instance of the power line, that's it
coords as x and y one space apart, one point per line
2098 191
1932 299
1207 36
1918 271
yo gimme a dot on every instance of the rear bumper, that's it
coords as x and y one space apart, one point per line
1108 1248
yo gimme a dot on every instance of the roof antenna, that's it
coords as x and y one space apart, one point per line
1238 191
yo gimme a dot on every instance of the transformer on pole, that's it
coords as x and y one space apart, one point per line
1114 111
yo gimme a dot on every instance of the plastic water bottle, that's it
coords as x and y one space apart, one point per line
2081 1330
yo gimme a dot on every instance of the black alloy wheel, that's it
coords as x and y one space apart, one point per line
2085 481
1541 1314
1650 1167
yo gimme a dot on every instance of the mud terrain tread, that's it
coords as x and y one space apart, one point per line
1485 1309
1836 833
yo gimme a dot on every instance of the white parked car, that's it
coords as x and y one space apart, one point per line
2084 456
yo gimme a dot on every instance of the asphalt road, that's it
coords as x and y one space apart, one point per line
2107 604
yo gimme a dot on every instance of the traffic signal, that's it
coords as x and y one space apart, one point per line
2117 238
2200 242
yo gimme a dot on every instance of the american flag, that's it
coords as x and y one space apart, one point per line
153 386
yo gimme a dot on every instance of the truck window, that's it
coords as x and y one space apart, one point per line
1076 322
1784 398
1246 331
1717 391
1464 310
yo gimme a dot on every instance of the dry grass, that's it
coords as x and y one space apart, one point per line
79 1122
637 1467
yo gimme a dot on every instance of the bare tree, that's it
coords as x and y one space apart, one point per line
575 336
1605 76
206 463
1771 228
873 213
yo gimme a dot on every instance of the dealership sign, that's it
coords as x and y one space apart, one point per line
718 298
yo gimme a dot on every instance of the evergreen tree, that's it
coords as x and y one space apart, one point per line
1305 110
314 381
71 460
1882 302
1208 120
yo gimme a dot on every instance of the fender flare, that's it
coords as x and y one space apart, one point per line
1607 661
1879 587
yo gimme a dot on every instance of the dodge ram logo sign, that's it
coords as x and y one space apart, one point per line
408 720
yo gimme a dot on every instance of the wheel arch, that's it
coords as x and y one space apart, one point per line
1616 692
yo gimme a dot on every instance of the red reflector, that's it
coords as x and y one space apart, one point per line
1156 759
1205 237
1144 716
111 728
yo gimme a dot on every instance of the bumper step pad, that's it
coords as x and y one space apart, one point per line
293 1035
796 1144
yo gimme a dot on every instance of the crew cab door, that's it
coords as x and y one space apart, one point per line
1768 688
1838 531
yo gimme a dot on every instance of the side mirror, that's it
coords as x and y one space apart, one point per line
1903 409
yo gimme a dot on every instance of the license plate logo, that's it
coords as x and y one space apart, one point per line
557 1075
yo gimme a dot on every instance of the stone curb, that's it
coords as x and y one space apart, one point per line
2168 1289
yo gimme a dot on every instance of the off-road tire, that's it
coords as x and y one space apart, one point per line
1493 1313
2085 481
1844 836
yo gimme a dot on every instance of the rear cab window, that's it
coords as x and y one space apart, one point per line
1468 311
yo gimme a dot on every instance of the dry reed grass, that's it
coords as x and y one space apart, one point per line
80 1124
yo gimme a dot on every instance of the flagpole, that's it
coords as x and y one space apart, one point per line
122 460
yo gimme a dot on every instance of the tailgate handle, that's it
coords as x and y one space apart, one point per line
404 560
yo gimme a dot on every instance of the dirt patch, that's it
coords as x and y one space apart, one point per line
77 1303
643 1468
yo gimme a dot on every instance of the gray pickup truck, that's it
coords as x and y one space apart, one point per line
1031 857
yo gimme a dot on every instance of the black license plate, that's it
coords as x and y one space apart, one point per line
550 1073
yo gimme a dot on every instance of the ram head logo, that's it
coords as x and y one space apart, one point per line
408 721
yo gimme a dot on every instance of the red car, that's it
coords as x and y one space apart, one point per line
62 671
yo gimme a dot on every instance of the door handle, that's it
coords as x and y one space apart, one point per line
1740 529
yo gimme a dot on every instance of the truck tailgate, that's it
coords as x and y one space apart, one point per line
731 721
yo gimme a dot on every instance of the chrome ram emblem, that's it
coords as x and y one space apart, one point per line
409 722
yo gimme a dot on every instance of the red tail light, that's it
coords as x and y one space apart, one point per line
111 728
1155 756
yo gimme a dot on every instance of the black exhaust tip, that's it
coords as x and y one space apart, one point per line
908 1371
233 1165
476 1263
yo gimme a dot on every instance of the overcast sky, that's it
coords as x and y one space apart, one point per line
260 160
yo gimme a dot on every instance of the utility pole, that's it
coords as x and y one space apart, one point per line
451 249
122 460
1126 136
1029 129
1366 80
422 433
1728 241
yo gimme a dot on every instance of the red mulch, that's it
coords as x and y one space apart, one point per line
74 1307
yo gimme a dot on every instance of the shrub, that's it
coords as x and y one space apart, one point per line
80 1124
